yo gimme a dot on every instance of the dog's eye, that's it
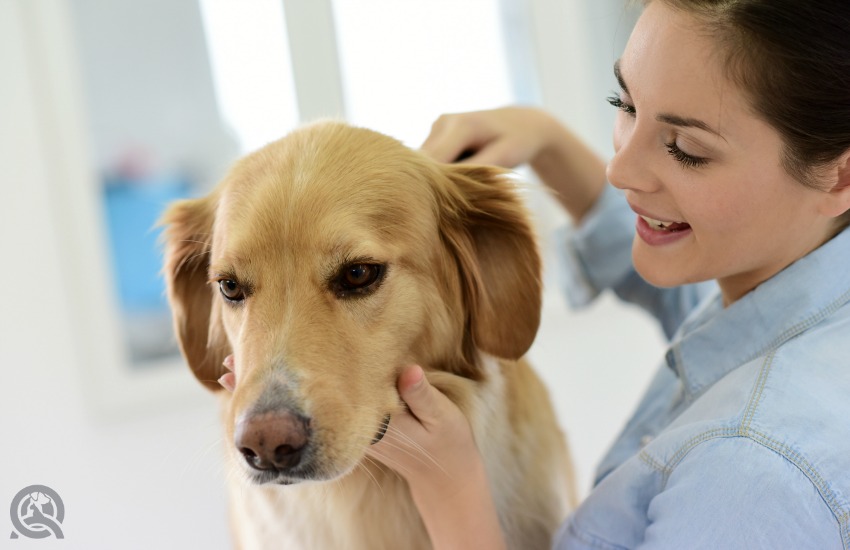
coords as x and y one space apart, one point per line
358 278
360 275
231 290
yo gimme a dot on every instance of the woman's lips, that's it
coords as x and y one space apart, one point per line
657 232
654 234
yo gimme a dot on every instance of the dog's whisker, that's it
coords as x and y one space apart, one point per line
408 443
198 255
202 453
409 450
394 465
199 452
413 452
371 475
193 241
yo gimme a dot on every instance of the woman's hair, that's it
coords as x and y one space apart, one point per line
792 58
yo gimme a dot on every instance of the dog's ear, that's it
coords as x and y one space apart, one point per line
197 321
488 231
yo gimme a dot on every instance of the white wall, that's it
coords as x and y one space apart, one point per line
146 479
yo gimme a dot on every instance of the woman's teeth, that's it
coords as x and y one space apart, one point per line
665 226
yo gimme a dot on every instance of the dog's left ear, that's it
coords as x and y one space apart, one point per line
197 321
487 228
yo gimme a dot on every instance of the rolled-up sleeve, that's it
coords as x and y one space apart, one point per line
597 255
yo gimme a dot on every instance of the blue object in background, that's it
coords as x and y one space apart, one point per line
133 206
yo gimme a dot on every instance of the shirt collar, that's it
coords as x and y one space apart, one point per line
713 341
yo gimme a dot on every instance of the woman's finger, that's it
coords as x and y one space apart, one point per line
425 402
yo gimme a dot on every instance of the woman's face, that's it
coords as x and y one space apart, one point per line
692 154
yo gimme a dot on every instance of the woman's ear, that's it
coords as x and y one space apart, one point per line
487 229
837 201
197 320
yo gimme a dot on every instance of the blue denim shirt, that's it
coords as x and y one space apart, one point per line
743 437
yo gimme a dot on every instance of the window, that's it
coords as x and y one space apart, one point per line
404 63
251 69
175 92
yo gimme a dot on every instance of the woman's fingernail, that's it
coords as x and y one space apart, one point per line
228 362
417 378
228 381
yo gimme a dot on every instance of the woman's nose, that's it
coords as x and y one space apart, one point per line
631 169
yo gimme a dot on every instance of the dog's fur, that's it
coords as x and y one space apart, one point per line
459 294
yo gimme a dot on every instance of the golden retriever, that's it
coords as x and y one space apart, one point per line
321 265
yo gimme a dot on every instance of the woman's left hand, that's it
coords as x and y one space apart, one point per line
431 445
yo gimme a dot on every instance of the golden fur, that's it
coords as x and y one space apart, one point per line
460 294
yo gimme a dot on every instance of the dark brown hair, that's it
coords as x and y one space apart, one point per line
792 58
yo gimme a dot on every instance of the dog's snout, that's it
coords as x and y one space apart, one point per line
273 440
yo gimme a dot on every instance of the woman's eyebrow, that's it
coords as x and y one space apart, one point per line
685 122
673 120
619 76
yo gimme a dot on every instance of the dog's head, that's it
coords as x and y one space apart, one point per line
325 262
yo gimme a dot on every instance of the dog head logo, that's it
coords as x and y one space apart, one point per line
37 512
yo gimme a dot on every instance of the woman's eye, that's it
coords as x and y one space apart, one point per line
686 160
231 290
358 278
618 103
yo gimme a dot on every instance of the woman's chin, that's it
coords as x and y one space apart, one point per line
663 274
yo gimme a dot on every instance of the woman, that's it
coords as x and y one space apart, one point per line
732 164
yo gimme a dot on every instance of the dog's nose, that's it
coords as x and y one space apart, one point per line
273 440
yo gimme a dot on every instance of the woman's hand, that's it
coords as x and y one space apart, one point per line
505 137
433 448
512 136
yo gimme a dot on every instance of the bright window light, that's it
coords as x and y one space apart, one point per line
405 62
252 72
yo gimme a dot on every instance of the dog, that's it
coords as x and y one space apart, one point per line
320 266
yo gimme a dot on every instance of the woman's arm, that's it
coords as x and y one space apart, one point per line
511 136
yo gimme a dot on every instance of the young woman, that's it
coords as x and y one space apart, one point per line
732 164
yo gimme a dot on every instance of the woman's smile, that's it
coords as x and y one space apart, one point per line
655 230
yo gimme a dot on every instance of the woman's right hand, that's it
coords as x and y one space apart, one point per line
505 137
511 136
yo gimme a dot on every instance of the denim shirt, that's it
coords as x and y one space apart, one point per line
743 437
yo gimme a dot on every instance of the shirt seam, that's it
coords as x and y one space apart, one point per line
840 512
694 390
745 430
758 391
811 321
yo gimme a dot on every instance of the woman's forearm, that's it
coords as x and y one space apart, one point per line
463 516
571 169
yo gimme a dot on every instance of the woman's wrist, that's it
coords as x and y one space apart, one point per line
459 513
570 168
432 446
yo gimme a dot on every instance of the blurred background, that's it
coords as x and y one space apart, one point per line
111 109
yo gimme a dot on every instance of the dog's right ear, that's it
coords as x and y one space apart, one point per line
488 231
197 321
